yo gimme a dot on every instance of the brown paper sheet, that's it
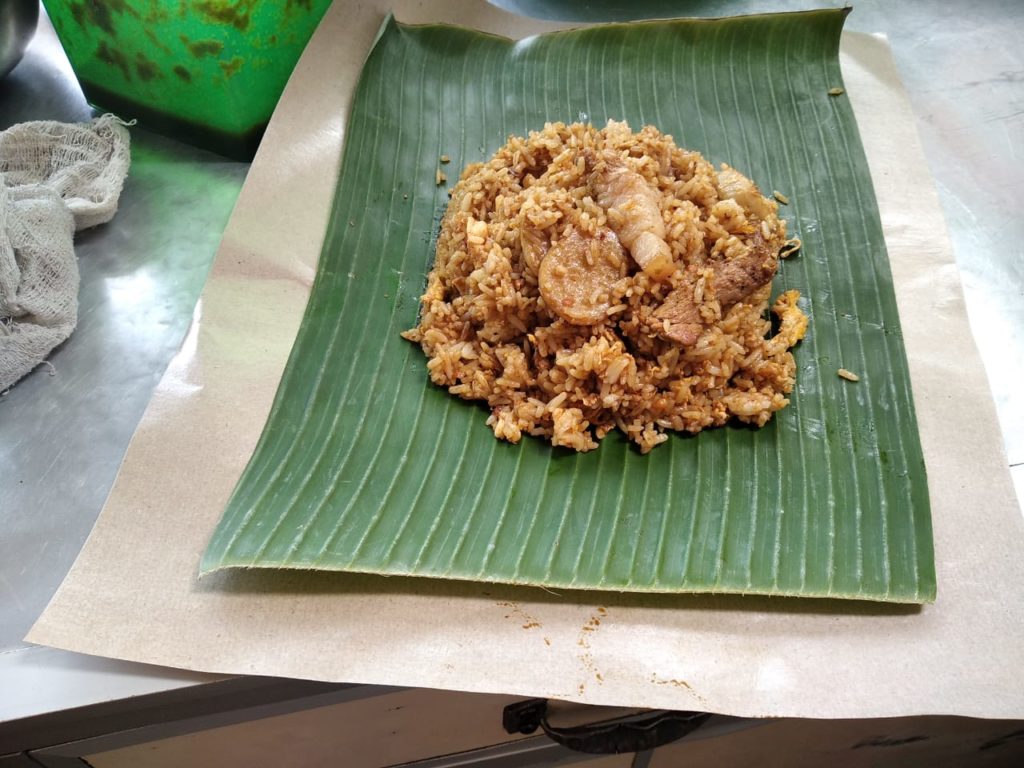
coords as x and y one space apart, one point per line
133 593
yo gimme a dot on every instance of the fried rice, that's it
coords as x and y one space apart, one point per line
591 279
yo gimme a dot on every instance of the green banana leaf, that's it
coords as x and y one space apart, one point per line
365 466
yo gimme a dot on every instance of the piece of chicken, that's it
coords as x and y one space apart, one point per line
733 281
578 274
633 212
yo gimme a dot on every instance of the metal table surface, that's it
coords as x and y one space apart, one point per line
64 431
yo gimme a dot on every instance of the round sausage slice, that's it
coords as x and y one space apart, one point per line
578 274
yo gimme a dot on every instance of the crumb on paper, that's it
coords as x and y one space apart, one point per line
780 197
445 159
836 91
848 375
440 178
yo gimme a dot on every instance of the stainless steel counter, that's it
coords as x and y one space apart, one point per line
65 427
64 430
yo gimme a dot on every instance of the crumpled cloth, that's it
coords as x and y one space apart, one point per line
55 179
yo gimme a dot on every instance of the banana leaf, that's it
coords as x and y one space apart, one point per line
365 466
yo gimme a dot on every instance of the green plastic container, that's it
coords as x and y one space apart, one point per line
204 71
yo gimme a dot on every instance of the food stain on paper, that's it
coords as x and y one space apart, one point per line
677 683
517 613
586 656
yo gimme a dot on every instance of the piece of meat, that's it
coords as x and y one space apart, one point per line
534 247
733 281
733 185
683 316
633 212
578 273
737 279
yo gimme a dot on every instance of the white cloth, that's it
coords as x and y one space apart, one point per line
55 179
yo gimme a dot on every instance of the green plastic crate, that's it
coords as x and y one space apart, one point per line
204 71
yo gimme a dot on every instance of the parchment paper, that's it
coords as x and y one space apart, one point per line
133 593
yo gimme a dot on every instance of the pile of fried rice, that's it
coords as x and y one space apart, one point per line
590 279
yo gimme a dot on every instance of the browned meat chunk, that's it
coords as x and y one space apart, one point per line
733 281
578 274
